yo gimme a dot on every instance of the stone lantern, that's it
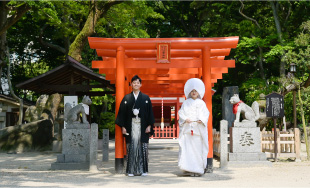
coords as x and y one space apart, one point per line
263 119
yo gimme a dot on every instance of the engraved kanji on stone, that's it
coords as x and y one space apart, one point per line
76 140
246 139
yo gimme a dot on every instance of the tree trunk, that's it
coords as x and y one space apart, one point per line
19 100
19 11
260 62
307 82
76 47
3 49
3 44
6 21
304 124
279 32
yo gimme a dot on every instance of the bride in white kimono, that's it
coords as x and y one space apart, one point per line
193 136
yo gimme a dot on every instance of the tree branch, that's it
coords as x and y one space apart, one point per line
176 18
240 11
184 25
201 20
19 12
288 13
50 45
307 83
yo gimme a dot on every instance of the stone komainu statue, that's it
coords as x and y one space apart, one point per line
239 107
72 114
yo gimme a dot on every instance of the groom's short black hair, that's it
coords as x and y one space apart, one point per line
136 77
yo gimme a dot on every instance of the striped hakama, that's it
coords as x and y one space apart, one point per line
137 152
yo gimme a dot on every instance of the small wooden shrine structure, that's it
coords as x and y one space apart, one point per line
71 78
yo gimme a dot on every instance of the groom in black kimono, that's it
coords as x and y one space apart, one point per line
136 118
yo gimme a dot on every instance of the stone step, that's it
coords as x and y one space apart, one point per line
247 157
246 164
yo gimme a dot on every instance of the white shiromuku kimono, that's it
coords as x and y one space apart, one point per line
193 137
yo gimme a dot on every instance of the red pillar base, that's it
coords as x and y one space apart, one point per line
209 168
119 165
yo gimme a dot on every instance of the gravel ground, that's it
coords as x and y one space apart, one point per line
32 169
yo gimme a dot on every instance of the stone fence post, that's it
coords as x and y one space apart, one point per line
93 147
105 145
223 143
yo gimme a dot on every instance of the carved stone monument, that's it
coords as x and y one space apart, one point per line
78 149
80 143
245 143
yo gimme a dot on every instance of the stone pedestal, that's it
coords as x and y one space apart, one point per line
79 148
245 146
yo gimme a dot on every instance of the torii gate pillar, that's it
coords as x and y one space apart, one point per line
206 78
120 93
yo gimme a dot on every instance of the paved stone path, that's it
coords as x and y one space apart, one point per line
32 169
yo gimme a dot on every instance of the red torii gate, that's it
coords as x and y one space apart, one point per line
164 65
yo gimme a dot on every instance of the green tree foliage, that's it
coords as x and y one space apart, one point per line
263 39
270 33
107 122
127 20
102 109
299 54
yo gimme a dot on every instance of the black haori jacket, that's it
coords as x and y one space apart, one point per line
125 115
